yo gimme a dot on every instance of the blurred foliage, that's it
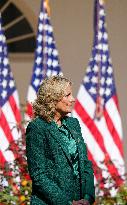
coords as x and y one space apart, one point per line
110 190
15 183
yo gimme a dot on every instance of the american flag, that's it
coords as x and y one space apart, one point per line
97 108
46 61
10 117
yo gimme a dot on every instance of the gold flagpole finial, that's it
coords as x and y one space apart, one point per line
102 2
46 2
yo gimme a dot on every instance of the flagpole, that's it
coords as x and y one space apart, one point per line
45 7
46 2
99 99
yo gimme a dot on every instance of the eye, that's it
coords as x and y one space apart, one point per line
68 95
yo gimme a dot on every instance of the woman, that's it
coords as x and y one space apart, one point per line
57 158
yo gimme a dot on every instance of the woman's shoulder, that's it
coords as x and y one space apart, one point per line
35 131
36 123
71 120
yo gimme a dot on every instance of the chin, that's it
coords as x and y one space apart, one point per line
69 111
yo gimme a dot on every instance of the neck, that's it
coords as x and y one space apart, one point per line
57 119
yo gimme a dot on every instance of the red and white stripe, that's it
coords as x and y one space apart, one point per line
103 137
10 118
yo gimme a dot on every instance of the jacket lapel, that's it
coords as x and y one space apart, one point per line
77 136
74 133
57 135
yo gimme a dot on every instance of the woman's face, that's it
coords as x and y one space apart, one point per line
64 106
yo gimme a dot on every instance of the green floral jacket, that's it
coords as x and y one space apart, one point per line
50 164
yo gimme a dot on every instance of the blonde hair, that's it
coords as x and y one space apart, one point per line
51 91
